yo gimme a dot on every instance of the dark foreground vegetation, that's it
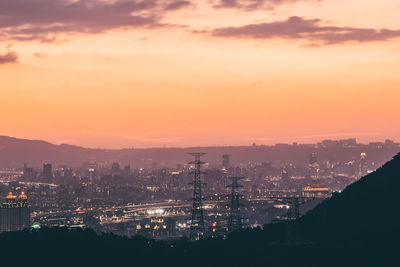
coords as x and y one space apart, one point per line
357 227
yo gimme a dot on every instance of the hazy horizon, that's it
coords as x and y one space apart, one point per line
303 140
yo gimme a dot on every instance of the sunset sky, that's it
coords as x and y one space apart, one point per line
132 73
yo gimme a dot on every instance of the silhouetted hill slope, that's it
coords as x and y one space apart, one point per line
14 152
365 209
358 227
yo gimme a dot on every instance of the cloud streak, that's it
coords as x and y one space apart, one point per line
43 20
254 4
177 5
307 29
9 57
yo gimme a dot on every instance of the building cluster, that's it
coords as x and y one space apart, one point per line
127 200
14 213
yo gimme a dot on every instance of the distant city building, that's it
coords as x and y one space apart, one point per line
225 161
363 164
313 165
316 191
29 172
91 174
390 143
156 226
313 159
47 171
115 168
14 213
285 178
350 142
282 145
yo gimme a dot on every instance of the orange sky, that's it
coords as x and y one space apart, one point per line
200 75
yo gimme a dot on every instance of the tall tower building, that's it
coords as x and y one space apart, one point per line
363 170
285 178
225 161
29 172
24 211
47 171
313 166
14 213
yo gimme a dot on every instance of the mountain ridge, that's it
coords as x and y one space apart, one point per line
14 152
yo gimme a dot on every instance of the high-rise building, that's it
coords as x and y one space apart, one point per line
363 164
115 168
225 161
47 171
285 178
14 213
313 165
28 172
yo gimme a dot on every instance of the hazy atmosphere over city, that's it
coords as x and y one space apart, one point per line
199 132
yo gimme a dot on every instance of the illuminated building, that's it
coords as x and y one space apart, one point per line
14 213
285 178
225 161
363 165
313 165
156 227
316 191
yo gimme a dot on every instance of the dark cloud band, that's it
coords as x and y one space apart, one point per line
9 57
311 30
43 19
177 5
254 4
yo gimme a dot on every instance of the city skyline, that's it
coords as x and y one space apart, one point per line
120 74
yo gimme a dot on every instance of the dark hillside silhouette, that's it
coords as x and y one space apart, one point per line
366 209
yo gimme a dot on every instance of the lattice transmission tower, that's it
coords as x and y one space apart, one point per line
197 229
235 218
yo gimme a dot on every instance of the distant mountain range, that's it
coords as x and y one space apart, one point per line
14 152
